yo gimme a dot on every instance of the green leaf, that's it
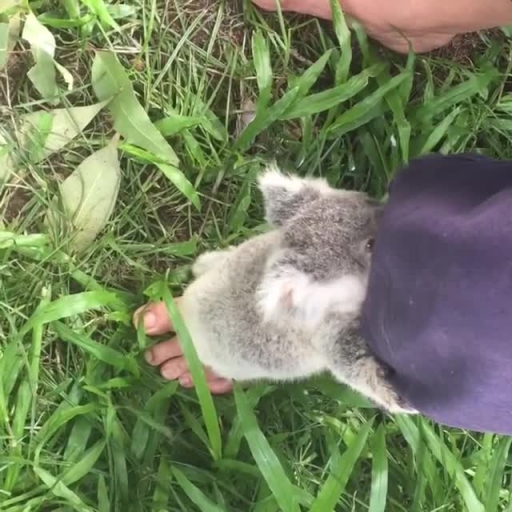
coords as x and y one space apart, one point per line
445 457
344 39
178 179
438 133
367 109
397 107
100 9
263 67
60 490
171 172
325 100
162 492
89 195
203 393
380 473
494 483
304 82
84 465
266 117
476 84
175 124
69 305
103 498
109 80
341 469
195 494
59 418
96 350
264 456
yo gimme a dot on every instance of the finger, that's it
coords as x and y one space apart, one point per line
174 368
161 352
218 386
156 319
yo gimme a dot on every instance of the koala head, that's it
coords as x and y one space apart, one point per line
323 262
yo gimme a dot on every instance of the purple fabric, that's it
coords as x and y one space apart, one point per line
439 304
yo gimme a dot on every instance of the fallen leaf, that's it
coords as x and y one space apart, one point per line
43 133
42 46
89 195
109 80
4 43
66 124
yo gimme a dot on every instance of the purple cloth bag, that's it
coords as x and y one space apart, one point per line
439 303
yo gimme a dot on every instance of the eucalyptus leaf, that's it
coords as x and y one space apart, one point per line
89 195
42 46
109 80
43 133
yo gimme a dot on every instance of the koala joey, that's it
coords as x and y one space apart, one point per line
284 305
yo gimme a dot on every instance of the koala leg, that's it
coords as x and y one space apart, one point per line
351 362
209 260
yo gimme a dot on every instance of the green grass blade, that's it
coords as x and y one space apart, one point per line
195 494
496 475
84 465
325 100
175 124
367 109
263 68
442 453
439 132
179 180
203 393
264 119
69 305
477 84
380 472
267 461
305 81
100 352
344 40
341 469
59 489
103 497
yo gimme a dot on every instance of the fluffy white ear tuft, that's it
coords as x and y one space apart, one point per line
285 193
291 295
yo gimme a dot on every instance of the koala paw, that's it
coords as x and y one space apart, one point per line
209 260
389 399
395 404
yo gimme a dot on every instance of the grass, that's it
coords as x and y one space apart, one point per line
85 425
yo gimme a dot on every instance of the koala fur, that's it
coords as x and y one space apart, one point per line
284 305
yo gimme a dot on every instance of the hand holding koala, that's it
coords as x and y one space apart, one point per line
285 305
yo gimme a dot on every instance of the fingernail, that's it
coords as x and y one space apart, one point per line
149 321
185 381
148 356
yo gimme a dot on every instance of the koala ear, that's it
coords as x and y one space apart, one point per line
288 294
285 194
